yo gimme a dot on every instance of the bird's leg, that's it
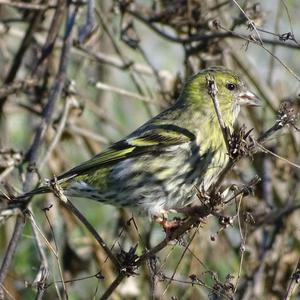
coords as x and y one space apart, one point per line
169 226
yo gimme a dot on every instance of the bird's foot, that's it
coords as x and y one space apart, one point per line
169 226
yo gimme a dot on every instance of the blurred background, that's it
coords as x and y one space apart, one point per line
79 75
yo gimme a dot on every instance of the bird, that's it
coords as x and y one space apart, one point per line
159 166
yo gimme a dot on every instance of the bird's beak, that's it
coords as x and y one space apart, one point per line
249 98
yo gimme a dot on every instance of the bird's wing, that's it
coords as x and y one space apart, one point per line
152 139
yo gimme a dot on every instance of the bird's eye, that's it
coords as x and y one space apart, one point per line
231 86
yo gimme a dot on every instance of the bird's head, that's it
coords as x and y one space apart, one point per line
231 93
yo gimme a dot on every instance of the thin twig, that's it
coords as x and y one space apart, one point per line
264 149
58 192
213 92
293 282
25 5
16 86
251 40
205 37
44 266
6 172
56 23
61 126
243 243
106 87
95 234
178 263
34 23
86 29
11 249
34 149
86 133
251 23
125 61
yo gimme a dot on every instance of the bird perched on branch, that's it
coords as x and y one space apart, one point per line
157 167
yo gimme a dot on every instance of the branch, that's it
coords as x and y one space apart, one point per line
294 281
206 37
213 92
34 149
34 23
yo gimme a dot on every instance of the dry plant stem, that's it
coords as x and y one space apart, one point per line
277 126
251 40
56 255
251 23
113 286
86 29
61 127
34 149
274 217
248 70
29 108
54 251
205 37
11 249
278 156
255 148
54 95
113 60
154 70
255 276
294 281
205 211
25 5
292 72
16 86
202 212
105 87
5 291
213 92
6 172
243 244
228 33
43 272
125 61
273 48
95 234
55 27
35 22
178 263
85 132
99 112
290 20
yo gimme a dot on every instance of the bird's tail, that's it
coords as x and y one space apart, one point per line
36 191
24 198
